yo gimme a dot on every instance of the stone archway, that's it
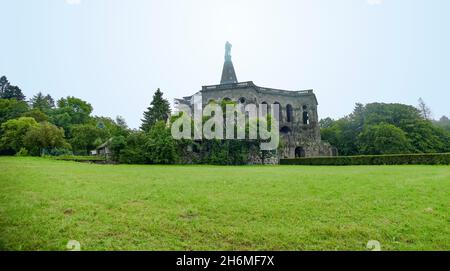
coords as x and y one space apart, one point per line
280 113
285 130
289 113
299 152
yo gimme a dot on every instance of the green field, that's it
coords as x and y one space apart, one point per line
45 203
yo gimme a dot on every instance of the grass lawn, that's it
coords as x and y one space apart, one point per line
45 203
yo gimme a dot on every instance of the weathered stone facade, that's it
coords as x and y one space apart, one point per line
299 121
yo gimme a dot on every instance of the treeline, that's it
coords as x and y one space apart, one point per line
379 128
41 126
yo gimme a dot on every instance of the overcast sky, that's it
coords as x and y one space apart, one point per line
116 53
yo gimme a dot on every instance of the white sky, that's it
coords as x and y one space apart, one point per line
115 53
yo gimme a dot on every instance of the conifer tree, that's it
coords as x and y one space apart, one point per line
8 91
42 102
159 110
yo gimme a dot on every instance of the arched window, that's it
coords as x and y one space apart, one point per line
288 113
299 152
305 115
227 99
267 107
285 130
334 151
280 114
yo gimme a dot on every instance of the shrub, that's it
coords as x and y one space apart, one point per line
14 132
58 151
383 139
160 145
393 159
79 158
22 152
134 153
117 144
226 152
45 136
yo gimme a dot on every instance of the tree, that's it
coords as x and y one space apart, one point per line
36 114
11 109
443 122
71 111
110 125
45 136
326 122
425 111
117 144
159 110
4 83
343 135
8 91
78 109
421 133
160 145
383 139
14 132
121 122
42 102
85 137
134 151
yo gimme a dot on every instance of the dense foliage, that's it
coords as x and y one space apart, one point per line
379 128
41 126
444 122
14 132
44 138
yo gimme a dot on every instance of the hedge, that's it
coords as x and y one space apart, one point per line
79 158
395 159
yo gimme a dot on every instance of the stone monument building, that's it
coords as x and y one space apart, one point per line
299 121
